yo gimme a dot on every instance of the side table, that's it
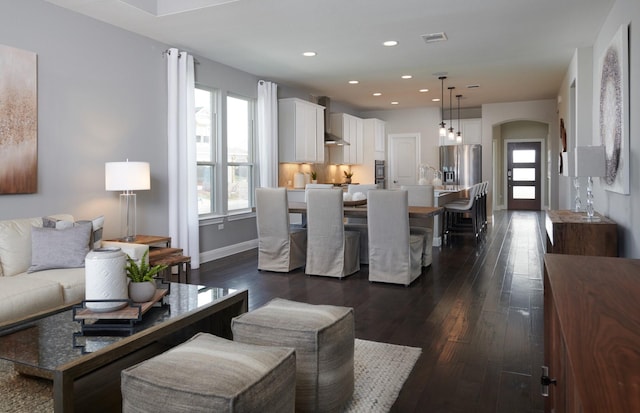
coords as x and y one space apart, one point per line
161 253
569 233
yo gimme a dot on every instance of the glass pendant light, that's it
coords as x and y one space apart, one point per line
459 135
451 136
443 126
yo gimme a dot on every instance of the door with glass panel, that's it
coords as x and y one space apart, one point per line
523 175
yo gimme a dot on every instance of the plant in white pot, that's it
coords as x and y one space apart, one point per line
142 276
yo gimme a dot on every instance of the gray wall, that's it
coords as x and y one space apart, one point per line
621 208
101 97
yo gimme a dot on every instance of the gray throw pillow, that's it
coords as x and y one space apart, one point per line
95 241
59 248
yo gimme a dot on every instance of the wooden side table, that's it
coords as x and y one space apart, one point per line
161 253
568 232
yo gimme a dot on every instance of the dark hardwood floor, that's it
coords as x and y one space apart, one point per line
476 313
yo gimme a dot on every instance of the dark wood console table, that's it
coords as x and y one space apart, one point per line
568 232
592 333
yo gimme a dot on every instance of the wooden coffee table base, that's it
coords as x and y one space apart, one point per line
96 377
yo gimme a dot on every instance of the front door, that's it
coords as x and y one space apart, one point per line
523 175
404 150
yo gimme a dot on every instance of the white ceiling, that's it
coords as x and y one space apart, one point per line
514 49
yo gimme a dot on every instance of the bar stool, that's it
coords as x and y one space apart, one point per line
461 216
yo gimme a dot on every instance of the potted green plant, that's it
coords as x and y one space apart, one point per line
314 177
142 276
347 176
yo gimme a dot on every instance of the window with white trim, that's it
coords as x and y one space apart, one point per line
225 166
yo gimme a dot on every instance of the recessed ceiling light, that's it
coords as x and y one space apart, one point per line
423 90
309 54
390 43
472 86
377 94
353 82
394 102
435 100
407 76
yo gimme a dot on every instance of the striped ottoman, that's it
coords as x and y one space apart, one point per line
211 374
323 337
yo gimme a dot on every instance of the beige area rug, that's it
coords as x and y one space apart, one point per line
380 371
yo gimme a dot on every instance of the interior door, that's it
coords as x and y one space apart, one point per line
523 175
403 159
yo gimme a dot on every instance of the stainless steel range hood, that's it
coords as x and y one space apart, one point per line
329 138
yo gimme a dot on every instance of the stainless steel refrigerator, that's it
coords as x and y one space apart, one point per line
461 164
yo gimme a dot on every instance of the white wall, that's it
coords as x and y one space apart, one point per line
422 120
621 208
495 114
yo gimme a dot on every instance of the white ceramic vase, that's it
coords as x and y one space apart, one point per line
142 292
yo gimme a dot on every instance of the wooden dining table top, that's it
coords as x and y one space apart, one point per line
361 210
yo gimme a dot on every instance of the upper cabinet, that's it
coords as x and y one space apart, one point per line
301 131
350 129
374 137
471 131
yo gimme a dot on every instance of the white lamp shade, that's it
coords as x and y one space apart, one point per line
127 176
590 161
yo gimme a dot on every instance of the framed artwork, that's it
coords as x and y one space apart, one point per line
18 121
614 112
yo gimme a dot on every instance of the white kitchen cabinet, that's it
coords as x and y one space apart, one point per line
374 137
300 131
471 131
350 129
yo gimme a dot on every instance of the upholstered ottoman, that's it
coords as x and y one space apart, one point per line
211 374
323 337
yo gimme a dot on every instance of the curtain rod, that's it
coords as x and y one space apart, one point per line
168 51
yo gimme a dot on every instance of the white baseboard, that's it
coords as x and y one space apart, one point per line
228 250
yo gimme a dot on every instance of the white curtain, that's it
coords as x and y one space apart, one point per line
267 115
183 196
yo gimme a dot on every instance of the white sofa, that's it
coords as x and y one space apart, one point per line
23 293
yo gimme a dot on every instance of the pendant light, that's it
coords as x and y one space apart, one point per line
443 126
451 136
459 135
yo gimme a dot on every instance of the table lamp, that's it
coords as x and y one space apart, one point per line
127 177
590 162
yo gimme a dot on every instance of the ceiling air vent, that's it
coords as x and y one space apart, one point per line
434 37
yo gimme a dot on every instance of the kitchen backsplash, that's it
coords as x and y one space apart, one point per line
326 173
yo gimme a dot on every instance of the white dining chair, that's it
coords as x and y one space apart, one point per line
315 186
422 195
331 250
281 248
360 224
395 255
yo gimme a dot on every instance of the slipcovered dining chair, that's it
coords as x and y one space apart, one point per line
422 195
281 248
315 186
395 255
360 224
331 251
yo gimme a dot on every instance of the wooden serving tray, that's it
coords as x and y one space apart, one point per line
355 203
132 312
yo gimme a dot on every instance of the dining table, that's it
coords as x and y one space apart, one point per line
360 211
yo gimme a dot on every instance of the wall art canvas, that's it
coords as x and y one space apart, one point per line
614 112
18 121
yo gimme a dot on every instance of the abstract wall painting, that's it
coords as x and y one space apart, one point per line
614 112
18 121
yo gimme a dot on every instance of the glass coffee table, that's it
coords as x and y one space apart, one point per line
54 346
